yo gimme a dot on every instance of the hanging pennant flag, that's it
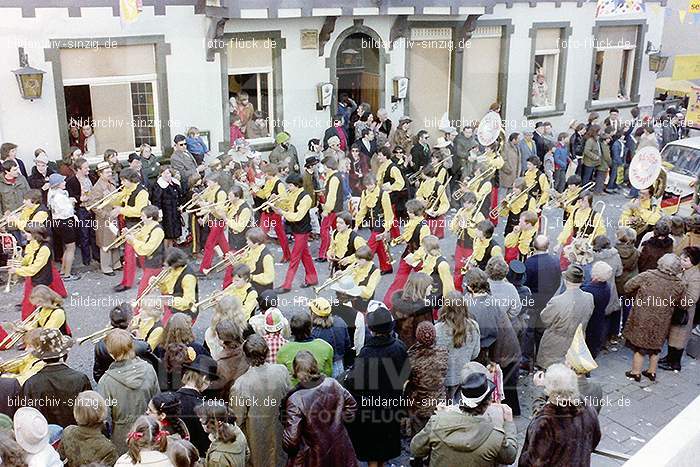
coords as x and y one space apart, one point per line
693 6
681 15
129 10
619 7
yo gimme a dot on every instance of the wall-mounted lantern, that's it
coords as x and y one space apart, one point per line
400 89
29 80
324 95
657 62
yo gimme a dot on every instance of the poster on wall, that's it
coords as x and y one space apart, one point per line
618 7
686 67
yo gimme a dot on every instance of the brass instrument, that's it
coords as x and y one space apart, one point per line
471 223
121 239
413 178
96 336
387 247
152 284
206 209
473 184
509 200
436 202
106 200
332 280
271 202
468 264
11 364
196 198
567 198
581 234
12 338
5 220
225 261
211 300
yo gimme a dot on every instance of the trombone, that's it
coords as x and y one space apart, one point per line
152 284
193 200
106 200
473 184
11 364
5 220
271 202
30 321
475 213
332 280
509 200
581 234
121 239
15 261
96 336
436 202
567 198
206 209
225 261
211 300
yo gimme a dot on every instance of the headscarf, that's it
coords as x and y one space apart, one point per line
425 334
670 264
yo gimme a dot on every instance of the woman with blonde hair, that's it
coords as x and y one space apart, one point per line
147 444
228 308
410 306
457 332
84 443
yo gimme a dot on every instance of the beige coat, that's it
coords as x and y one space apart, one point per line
678 335
511 165
103 235
561 317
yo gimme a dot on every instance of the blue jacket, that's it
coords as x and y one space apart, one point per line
616 153
561 157
542 276
337 336
196 145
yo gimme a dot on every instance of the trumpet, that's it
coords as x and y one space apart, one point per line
121 239
473 184
567 198
195 199
413 178
95 337
5 220
30 321
271 202
152 284
228 261
509 200
106 200
11 364
472 220
206 209
332 280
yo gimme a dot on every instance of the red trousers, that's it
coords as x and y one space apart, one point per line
216 237
437 226
563 260
327 224
399 281
494 204
129 272
461 255
271 220
395 231
301 254
511 253
143 283
377 246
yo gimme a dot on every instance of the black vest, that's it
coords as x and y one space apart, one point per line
588 227
259 267
236 241
131 221
275 190
155 261
360 302
536 191
435 276
338 206
45 274
376 215
350 250
487 254
63 328
304 225
41 208
177 288
413 243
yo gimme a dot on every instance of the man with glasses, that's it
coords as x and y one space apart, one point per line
183 161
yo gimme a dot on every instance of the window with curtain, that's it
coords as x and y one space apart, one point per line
545 73
614 64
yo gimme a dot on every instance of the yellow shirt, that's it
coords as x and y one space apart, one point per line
26 213
247 295
644 212
368 200
238 223
140 202
521 239
581 219
427 191
156 336
494 160
266 190
189 284
430 262
359 274
333 184
411 225
251 260
145 246
340 242
531 178
479 249
395 173
302 208
24 368
31 264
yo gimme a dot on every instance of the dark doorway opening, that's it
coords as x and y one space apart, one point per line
357 69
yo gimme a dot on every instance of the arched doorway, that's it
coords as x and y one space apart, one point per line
358 70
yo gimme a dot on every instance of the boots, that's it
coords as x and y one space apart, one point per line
672 361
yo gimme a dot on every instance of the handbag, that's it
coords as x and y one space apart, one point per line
679 316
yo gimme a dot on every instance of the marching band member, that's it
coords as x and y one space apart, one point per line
344 243
33 212
365 275
573 184
217 198
434 194
242 289
51 314
269 218
413 234
436 161
584 221
134 197
148 243
105 226
24 368
180 284
535 176
429 260
238 219
299 221
375 204
149 326
195 187
260 261
519 203
485 246
332 205
391 180
463 225
37 267
640 214
479 184
493 159
518 243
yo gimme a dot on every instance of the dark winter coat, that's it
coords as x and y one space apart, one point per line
629 256
653 293
81 445
230 364
652 250
103 359
407 317
314 431
59 384
37 181
426 385
543 277
379 374
168 198
561 436
189 401
337 336
597 328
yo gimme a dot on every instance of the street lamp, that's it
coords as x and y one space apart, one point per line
657 62
29 79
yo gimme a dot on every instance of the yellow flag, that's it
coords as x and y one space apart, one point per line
129 10
693 6
681 15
